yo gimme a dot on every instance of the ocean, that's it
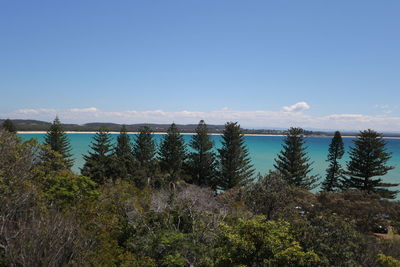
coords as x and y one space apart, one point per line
262 150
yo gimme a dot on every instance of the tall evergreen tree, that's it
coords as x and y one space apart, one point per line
144 152
334 172
98 163
201 163
124 163
58 141
292 162
368 159
9 126
235 168
172 154
144 148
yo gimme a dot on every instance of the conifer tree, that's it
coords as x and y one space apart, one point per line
9 126
334 172
368 163
172 154
99 161
201 163
124 163
144 148
144 152
57 140
235 168
292 162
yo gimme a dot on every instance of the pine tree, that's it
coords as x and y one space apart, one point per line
124 163
57 140
368 159
9 126
144 148
172 154
334 172
292 162
235 168
144 152
201 163
99 163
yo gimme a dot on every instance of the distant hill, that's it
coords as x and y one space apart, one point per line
36 125
29 125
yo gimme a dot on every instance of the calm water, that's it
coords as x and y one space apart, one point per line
263 150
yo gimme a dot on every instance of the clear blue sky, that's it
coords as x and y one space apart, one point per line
340 57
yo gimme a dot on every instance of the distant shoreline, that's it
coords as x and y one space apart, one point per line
93 132
113 132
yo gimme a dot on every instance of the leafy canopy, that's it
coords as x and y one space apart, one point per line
257 242
9 126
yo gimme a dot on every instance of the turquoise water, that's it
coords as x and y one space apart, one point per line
263 150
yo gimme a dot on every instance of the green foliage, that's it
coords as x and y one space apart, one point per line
32 234
292 162
65 189
270 196
171 243
16 162
334 172
257 242
106 222
58 141
144 152
9 126
50 161
235 167
201 164
172 154
336 241
180 225
365 210
387 261
368 159
61 187
123 160
99 163
144 148
50 216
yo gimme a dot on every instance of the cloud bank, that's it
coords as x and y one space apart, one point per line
288 116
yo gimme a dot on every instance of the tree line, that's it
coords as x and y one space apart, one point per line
144 165
139 204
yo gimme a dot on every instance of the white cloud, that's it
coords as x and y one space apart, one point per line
298 107
289 116
92 109
34 111
386 109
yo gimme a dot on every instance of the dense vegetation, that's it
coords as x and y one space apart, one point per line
136 204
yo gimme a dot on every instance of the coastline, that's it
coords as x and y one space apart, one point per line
113 132
93 132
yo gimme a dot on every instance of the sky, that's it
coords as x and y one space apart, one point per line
266 64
